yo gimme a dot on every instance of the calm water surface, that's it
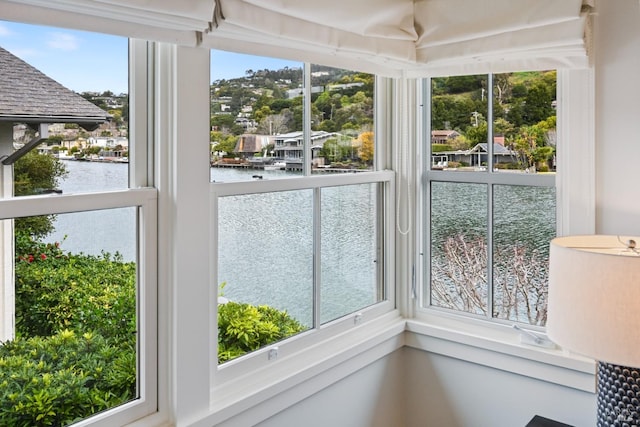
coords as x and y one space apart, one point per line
265 241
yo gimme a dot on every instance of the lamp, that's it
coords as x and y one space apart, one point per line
594 310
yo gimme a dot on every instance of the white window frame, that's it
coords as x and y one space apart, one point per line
353 334
488 342
144 199
487 178
297 343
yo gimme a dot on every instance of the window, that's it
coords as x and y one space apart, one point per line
490 198
77 236
300 246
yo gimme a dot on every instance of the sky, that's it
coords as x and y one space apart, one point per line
93 62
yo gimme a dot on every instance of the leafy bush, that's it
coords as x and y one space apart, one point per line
75 348
34 173
63 378
507 165
243 328
83 293
438 148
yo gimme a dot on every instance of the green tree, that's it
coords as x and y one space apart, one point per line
459 143
526 145
34 173
222 121
452 112
538 106
223 142
335 151
503 127
54 140
477 134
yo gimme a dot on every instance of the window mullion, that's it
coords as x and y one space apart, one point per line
317 256
306 122
426 236
490 303
490 147
490 166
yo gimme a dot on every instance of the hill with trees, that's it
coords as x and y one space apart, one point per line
270 102
523 113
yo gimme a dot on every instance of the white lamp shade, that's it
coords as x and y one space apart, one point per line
594 297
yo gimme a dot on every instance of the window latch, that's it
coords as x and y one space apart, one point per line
530 338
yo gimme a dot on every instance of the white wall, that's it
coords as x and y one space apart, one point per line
370 397
617 49
448 392
416 388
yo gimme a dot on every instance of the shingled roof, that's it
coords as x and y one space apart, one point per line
29 96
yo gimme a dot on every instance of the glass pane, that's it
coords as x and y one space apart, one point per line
524 125
75 347
76 94
524 223
256 116
459 106
349 248
459 246
109 230
341 119
265 269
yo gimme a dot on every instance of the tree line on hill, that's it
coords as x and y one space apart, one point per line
342 101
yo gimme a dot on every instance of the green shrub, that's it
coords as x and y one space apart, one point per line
34 173
63 378
507 165
75 348
439 148
243 328
83 293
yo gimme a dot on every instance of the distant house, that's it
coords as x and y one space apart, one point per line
108 142
244 122
289 146
476 156
343 86
443 136
250 144
293 93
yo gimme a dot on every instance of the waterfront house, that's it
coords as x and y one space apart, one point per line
477 155
443 136
289 146
397 362
250 144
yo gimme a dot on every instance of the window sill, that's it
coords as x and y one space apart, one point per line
257 394
499 347
301 374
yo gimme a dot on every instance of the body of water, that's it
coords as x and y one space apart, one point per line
265 241
93 232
